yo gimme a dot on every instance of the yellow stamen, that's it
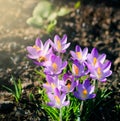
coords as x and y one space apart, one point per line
55 66
79 55
36 47
76 69
94 60
59 45
84 92
52 85
99 72
68 84
42 59
57 99
47 83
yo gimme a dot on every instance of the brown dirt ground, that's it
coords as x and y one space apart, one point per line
93 25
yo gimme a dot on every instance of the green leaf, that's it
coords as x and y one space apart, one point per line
52 112
77 5
35 21
8 89
41 73
51 26
63 11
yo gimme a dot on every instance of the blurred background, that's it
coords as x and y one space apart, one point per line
91 23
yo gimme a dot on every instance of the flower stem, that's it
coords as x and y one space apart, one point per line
80 110
96 86
81 107
60 116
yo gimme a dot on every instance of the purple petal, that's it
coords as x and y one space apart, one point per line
65 46
91 96
80 88
103 80
91 89
64 65
77 48
108 73
90 58
76 94
33 54
51 96
57 92
86 83
64 39
49 79
107 66
63 97
51 104
46 45
85 52
94 52
56 38
66 103
73 54
102 57
39 43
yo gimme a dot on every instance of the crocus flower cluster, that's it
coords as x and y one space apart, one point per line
58 84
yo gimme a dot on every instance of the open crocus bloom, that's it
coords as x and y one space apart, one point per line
55 66
53 82
79 55
57 99
39 53
60 45
70 83
94 57
85 91
101 71
78 69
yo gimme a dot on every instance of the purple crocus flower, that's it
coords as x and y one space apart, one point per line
60 45
101 71
57 99
53 82
79 55
39 53
70 83
94 57
34 51
85 91
55 66
78 69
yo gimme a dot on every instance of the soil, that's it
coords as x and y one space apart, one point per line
94 24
